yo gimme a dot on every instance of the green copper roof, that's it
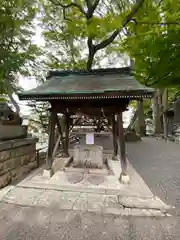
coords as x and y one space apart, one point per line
74 83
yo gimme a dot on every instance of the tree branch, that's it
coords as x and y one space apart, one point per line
57 3
128 18
68 5
89 3
94 6
155 23
91 54
91 7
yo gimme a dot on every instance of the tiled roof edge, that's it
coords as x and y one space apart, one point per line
124 70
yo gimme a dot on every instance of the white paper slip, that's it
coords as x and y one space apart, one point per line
90 138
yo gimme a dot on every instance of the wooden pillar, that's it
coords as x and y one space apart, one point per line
52 123
115 146
66 141
124 178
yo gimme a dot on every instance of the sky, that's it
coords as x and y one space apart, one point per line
29 83
26 84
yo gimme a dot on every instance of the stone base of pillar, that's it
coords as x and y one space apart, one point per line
124 179
48 173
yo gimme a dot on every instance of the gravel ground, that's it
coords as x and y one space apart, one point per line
30 223
158 163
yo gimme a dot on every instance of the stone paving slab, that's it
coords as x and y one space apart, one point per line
64 200
110 185
56 199
5 190
105 184
22 196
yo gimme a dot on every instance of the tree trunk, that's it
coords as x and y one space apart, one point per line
52 123
66 140
90 62
114 132
157 107
165 108
91 54
15 104
124 178
132 121
141 128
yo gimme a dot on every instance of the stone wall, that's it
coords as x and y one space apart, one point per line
17 158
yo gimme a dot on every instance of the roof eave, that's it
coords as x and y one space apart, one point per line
46 97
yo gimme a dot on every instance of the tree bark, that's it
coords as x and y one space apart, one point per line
122 145
56 146
52 123
132 121
157 107
66 141
60 130
90 55
14 103
141 128
165 108
115 145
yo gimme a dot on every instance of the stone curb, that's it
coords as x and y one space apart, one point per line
127 212
85 204
5 190
125 200
141 203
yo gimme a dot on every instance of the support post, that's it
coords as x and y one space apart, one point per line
49 158
66 141
124 178
115 146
